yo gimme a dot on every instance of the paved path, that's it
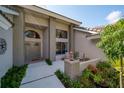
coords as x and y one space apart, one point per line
41 75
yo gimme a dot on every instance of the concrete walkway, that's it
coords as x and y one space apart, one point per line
41 75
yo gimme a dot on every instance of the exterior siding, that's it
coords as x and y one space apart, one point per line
6 60
62 26
36 20
52 39
18 39
88 47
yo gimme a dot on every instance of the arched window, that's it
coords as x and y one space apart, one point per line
32 34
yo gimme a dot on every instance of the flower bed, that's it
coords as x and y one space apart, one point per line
13 77
84 64
103 75
67 82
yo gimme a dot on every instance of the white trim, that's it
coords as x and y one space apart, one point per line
93 37
83 30
8 11
32 39
61 40
5 24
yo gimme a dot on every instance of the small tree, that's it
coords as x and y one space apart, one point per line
112 43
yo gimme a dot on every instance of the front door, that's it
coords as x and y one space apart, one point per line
32 47
32 51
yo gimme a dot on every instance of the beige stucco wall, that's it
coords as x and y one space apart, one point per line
49 35
83 45
52 39
6 60
71 38
18 39
36 20
51 14
61 26
46 43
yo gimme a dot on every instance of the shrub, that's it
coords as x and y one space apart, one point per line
97 78
106 76
86 82
67 82
48 61
103 65
13 77
59 74
87 73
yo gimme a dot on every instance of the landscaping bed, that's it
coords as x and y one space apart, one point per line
101 76
48 61
67 82
13 78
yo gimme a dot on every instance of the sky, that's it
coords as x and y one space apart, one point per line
92 15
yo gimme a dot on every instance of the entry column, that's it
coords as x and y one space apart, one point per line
18 39
52 39
71 38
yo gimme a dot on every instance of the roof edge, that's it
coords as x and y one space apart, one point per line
51 13
83 30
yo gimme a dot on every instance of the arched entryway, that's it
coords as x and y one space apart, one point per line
32 46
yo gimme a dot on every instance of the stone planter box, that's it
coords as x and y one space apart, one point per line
84 64
72 68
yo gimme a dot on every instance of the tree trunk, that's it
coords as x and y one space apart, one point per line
121 71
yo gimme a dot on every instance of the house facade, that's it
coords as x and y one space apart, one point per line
32 33
86 44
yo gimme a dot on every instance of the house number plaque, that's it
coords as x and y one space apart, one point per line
2 46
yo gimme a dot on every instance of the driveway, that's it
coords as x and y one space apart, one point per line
41 75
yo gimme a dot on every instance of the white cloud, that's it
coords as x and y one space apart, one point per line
114 16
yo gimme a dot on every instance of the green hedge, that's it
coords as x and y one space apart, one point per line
67 82
13 78
48 61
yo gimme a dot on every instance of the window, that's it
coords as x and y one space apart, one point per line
61 34
61 47
32 34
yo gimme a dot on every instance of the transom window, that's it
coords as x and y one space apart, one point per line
61 34
32 34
